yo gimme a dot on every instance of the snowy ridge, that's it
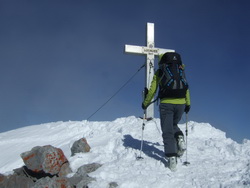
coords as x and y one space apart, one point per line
216 161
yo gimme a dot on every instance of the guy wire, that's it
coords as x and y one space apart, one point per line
116 92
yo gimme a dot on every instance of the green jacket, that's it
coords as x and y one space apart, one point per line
153 89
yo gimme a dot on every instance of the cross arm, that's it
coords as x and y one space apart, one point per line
146 50
163 51
134 49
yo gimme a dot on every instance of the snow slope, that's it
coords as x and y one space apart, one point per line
216 161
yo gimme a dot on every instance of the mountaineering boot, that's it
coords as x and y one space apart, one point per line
181 147
172 163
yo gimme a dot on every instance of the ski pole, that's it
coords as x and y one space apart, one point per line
144 93
186 162
142 130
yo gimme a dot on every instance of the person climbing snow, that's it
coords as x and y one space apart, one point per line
174 98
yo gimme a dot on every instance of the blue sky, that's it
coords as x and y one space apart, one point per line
61 60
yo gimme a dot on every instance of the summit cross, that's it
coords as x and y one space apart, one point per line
150 51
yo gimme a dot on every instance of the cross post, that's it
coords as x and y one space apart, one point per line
150 51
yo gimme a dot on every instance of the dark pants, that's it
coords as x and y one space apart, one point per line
170 115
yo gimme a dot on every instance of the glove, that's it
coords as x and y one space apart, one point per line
143 106
145 92
187 108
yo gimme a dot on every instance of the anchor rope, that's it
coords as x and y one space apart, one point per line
116 92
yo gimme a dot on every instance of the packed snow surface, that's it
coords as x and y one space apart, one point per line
215 161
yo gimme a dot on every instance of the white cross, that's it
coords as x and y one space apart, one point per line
150 51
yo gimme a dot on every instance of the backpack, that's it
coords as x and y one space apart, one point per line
173 83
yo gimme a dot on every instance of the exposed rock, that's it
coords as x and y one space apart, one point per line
46 159
2 177
81 181
34 175
113 185
65 170
80 146
17 180
81 177
47 167
54 182
88 168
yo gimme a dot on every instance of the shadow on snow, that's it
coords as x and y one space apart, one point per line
148 148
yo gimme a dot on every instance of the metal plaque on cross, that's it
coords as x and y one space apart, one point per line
150 51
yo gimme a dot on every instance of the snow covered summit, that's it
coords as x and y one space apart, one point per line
216 161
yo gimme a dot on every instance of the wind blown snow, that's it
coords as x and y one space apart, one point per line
215 161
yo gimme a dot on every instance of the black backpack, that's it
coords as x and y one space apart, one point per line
173 83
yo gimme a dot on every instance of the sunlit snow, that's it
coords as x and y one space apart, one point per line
215 161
